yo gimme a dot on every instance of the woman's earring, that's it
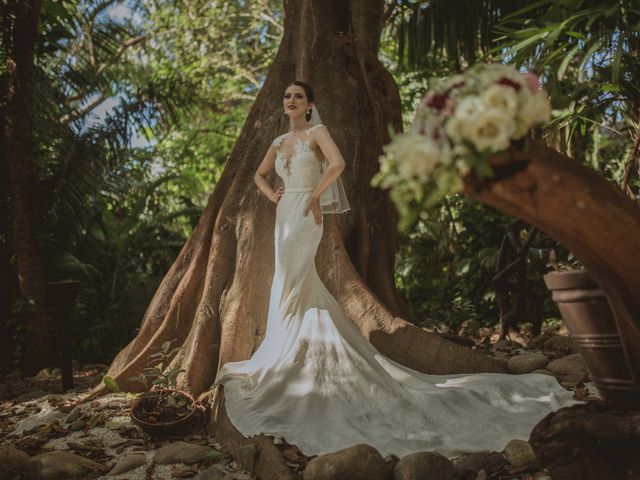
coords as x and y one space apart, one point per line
309 111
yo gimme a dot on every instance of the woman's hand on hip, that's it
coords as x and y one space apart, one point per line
313 204
275 196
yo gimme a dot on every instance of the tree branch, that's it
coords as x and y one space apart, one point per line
127 44
74 115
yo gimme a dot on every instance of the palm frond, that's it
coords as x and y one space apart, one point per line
459 30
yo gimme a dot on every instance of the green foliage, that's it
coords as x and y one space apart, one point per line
446 264
587 51
428 31
138 108
111 384
156 375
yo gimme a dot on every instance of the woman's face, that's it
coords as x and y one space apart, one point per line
295 101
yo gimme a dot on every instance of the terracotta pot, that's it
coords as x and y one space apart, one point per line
164 428
588 316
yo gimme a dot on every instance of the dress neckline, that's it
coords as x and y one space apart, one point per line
294 145
284 136
303 130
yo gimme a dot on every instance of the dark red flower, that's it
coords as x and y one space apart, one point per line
438 101
507 81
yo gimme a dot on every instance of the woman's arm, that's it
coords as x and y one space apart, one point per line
265 167
336 163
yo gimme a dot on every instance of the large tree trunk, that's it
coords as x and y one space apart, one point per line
584 211
19 140
214 299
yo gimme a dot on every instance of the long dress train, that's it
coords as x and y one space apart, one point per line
317 382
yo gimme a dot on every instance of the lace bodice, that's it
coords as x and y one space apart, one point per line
298 164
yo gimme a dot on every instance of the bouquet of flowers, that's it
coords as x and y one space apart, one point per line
458 125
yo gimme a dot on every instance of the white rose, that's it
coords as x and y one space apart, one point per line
461 151
538 108
535 110
490 74
418 157
502 97
490 129
456 129
468 107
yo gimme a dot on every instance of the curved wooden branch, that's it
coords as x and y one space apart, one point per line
584 211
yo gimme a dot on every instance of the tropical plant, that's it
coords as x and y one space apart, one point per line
129 146
588 52
155 376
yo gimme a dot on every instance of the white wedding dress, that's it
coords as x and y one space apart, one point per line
317 382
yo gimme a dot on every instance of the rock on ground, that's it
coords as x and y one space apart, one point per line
559 344
128 463
74 415
519 453
57 465
12 462
183 452
569 369
474 462
527 363
539 341
425 465
360 462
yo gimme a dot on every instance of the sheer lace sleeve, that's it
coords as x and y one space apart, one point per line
278 140
315 127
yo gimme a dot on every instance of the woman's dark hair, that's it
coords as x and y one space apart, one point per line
308 91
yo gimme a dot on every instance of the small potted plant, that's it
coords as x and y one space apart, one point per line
162 408
586 312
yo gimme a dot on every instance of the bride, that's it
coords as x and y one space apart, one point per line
315 380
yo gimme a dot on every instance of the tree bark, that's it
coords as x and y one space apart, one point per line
588 442
584 211
19 127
